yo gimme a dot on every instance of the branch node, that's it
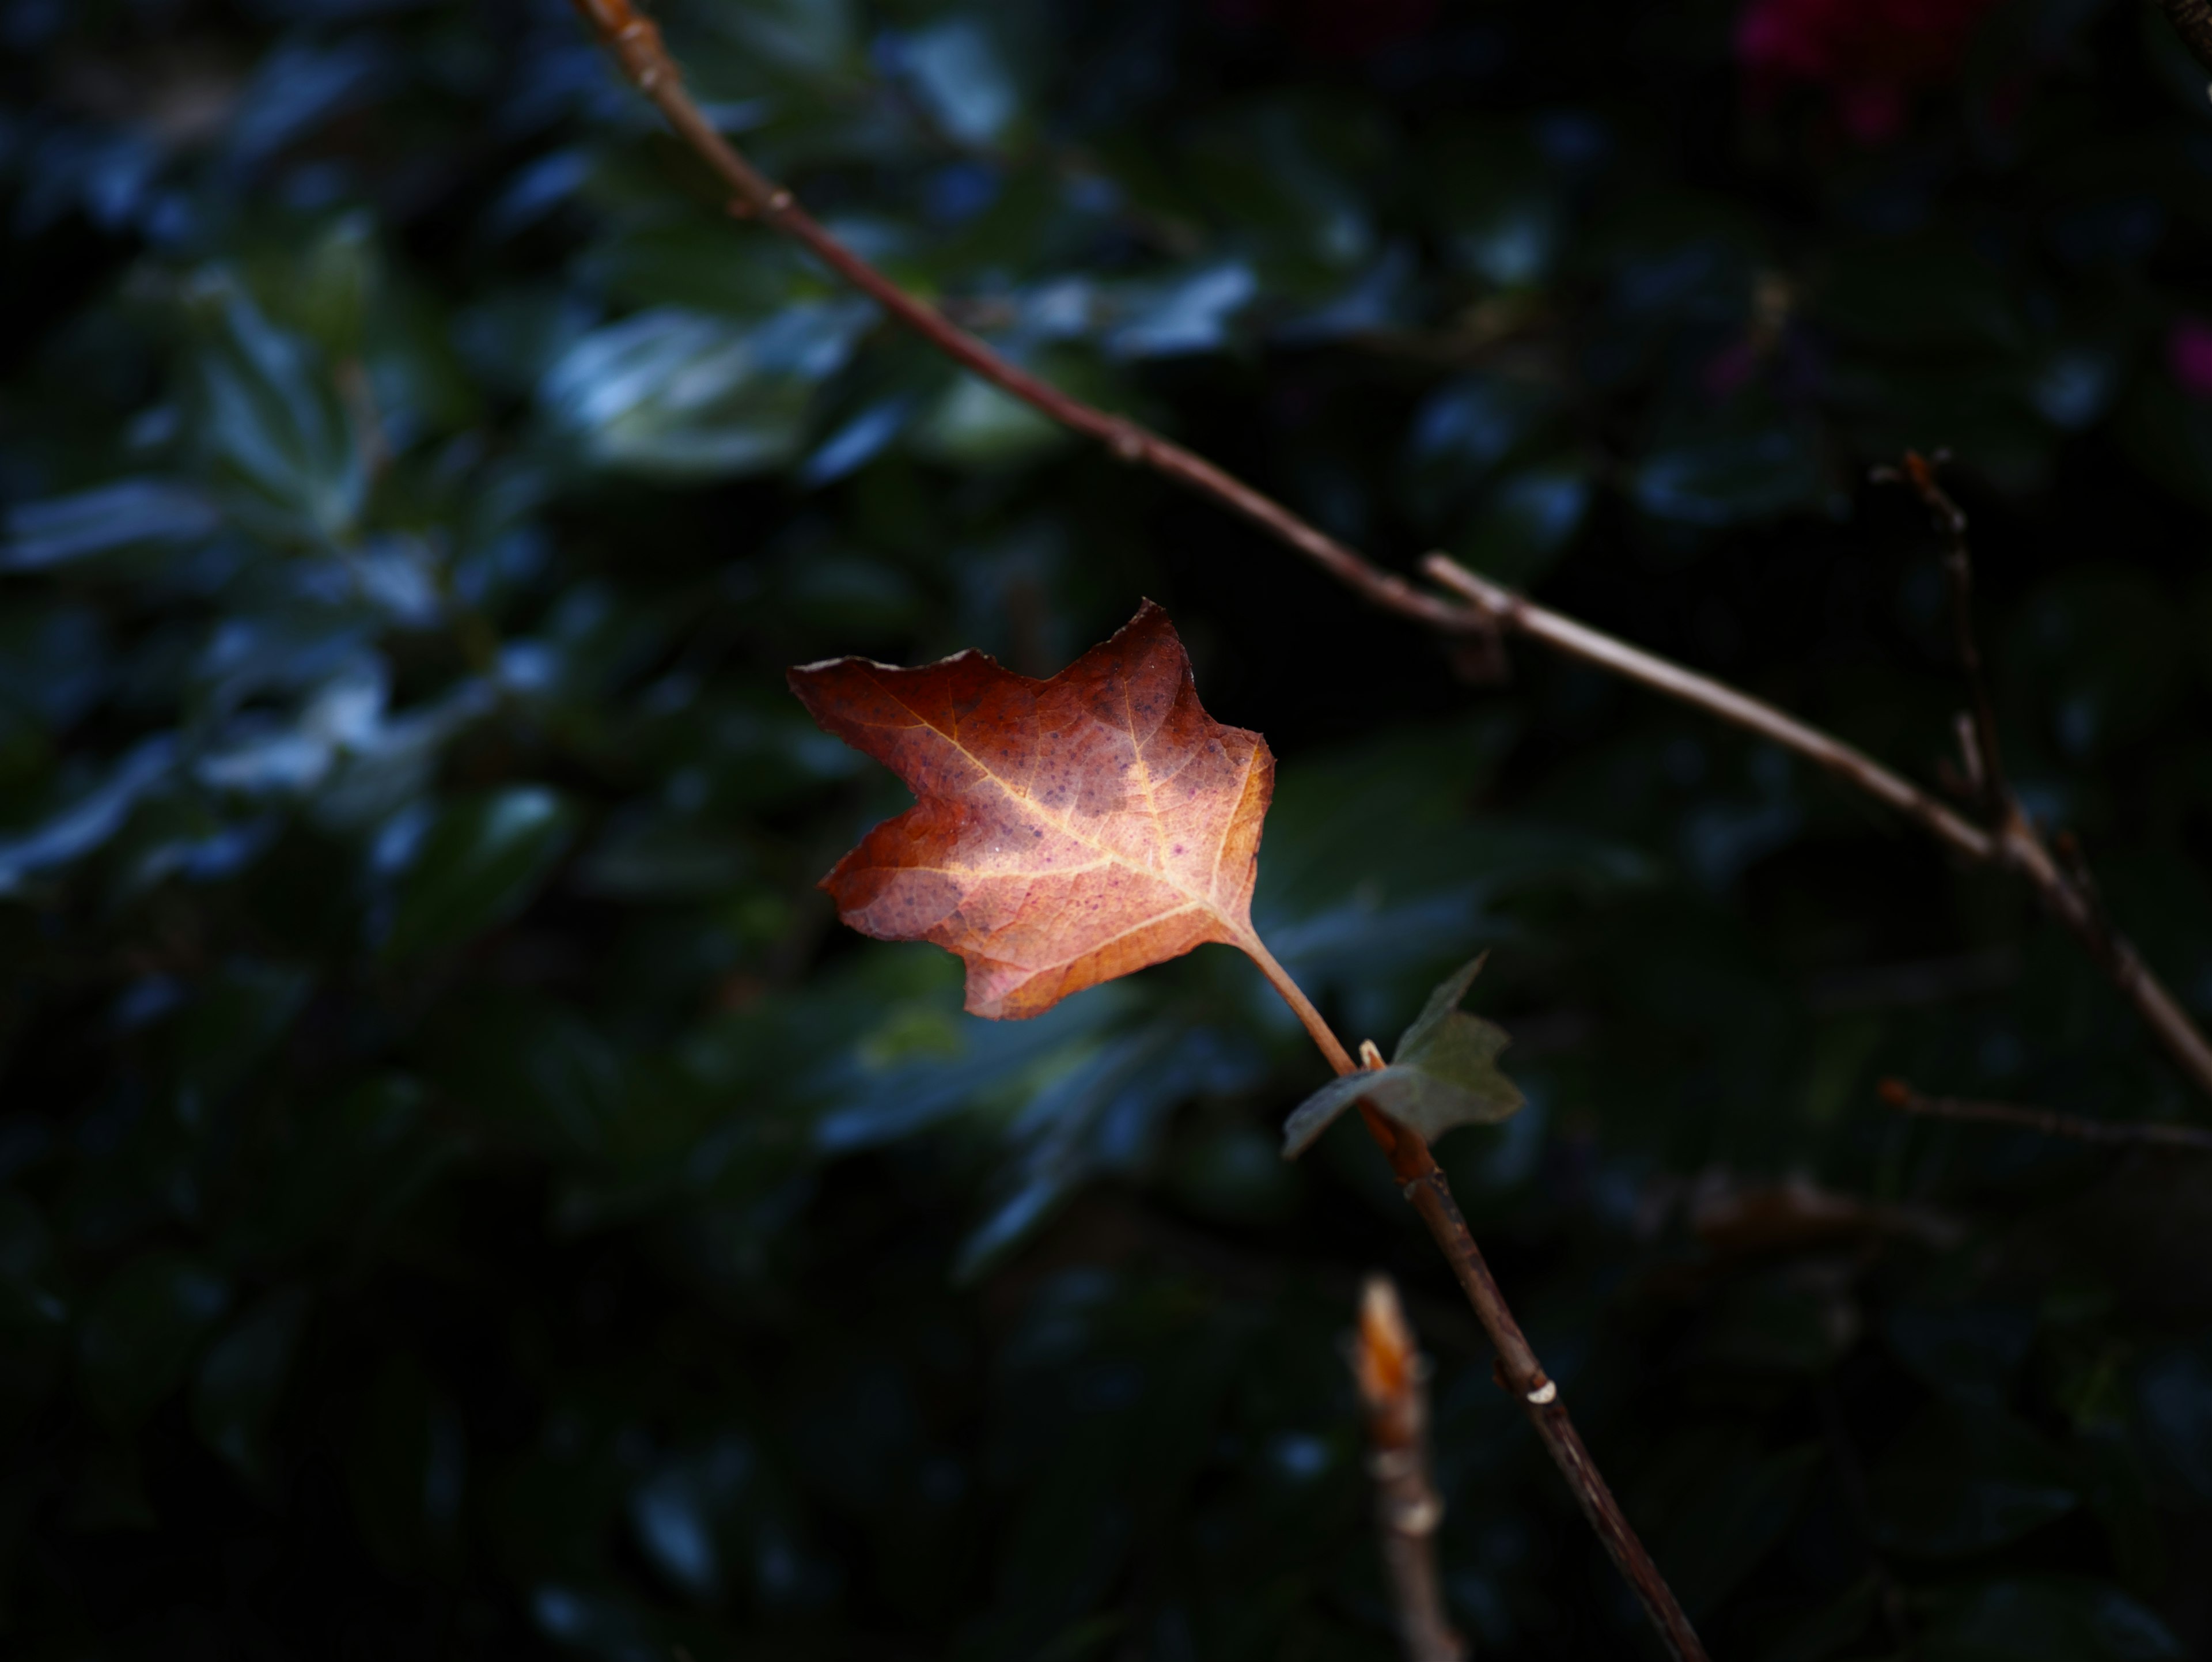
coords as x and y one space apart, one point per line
1545 1394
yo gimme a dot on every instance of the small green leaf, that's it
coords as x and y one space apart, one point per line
1823 1634
1416 1044
26 1254
976 425
142 1332
480 864
242 1377
269 411
1319 1111
673 394
2054 1616
1527 519
1445 1073
121 515
405 1464
1959 1482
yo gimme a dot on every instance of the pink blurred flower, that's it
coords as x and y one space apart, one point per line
2189 356
1869 57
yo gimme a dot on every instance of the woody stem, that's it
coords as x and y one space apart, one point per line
1430 1195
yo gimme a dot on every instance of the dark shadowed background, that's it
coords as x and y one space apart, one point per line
461 1194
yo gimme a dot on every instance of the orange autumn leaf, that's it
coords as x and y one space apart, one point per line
1068 831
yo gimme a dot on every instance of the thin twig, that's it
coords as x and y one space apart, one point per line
1520 1373
1985 760
1855 766
2192 21
2124 1133
635 42
1424 1184
1392 1375
2013 846
2067 891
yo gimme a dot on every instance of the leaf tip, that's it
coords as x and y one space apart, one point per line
1384 1359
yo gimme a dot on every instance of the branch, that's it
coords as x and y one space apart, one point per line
2192 21
1518 1372
1853 766
1424 1187
1984 760
1902 1097
2013 846
635 43
2069 893
1391 1375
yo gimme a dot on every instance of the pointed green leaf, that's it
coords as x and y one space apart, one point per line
1443 1003
1318 1111
482 861
1445 1075
242 1377
1463 1088
1452 1059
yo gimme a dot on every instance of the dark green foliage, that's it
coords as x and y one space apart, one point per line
461 1194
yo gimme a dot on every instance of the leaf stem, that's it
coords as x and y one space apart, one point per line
1518 1371
1301 1007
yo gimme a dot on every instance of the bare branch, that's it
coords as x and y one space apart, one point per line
2013 846
635 42
1854 766
2069 893
2128 1133
1984 759
1520 1373
1392 1376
